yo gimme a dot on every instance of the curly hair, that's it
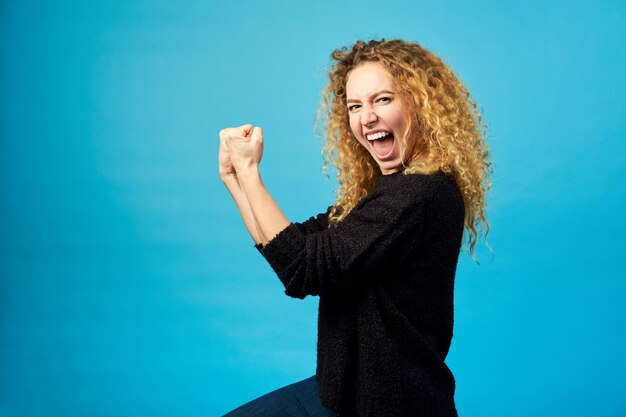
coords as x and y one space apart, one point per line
440 114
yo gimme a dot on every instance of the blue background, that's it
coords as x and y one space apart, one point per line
129 285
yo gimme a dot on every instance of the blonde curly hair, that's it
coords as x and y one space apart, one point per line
440 114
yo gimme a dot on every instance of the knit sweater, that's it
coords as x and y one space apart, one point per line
385 279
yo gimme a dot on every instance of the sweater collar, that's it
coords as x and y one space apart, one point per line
383 180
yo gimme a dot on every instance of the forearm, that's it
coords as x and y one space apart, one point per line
269 218
243 206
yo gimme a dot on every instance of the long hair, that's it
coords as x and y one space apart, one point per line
450 135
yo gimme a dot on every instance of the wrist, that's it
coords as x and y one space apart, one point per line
249 174
227 177
250 181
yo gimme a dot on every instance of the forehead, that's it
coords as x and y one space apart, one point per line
368 78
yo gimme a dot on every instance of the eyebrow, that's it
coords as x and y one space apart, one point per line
373 95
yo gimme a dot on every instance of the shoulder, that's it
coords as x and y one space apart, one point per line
420 187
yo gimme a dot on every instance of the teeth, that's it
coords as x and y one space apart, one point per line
378 135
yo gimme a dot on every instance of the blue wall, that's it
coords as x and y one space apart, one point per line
129 285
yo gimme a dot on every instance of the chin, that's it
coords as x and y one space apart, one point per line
388 167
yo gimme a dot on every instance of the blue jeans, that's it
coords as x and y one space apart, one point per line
301 399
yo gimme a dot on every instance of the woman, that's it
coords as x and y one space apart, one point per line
408 144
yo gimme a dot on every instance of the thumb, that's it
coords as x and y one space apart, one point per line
257 134
244 130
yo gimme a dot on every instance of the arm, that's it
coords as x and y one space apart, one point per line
243 206
269 218
230 180
357 249
382 233
246 152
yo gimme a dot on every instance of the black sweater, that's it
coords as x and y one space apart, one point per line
385 277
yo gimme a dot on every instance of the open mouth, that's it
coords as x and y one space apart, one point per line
382 143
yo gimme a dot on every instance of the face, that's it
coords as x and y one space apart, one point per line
376 118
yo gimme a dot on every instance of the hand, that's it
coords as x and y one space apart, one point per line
226 168
245 147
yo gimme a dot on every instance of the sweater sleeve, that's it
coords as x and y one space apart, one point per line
335 260
314 224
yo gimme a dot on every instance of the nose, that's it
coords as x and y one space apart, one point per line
368 117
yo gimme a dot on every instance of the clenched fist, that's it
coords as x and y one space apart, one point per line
241 149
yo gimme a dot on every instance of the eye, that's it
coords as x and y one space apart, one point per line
384 99
353 107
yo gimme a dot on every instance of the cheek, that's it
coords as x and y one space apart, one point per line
354 126
398 121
